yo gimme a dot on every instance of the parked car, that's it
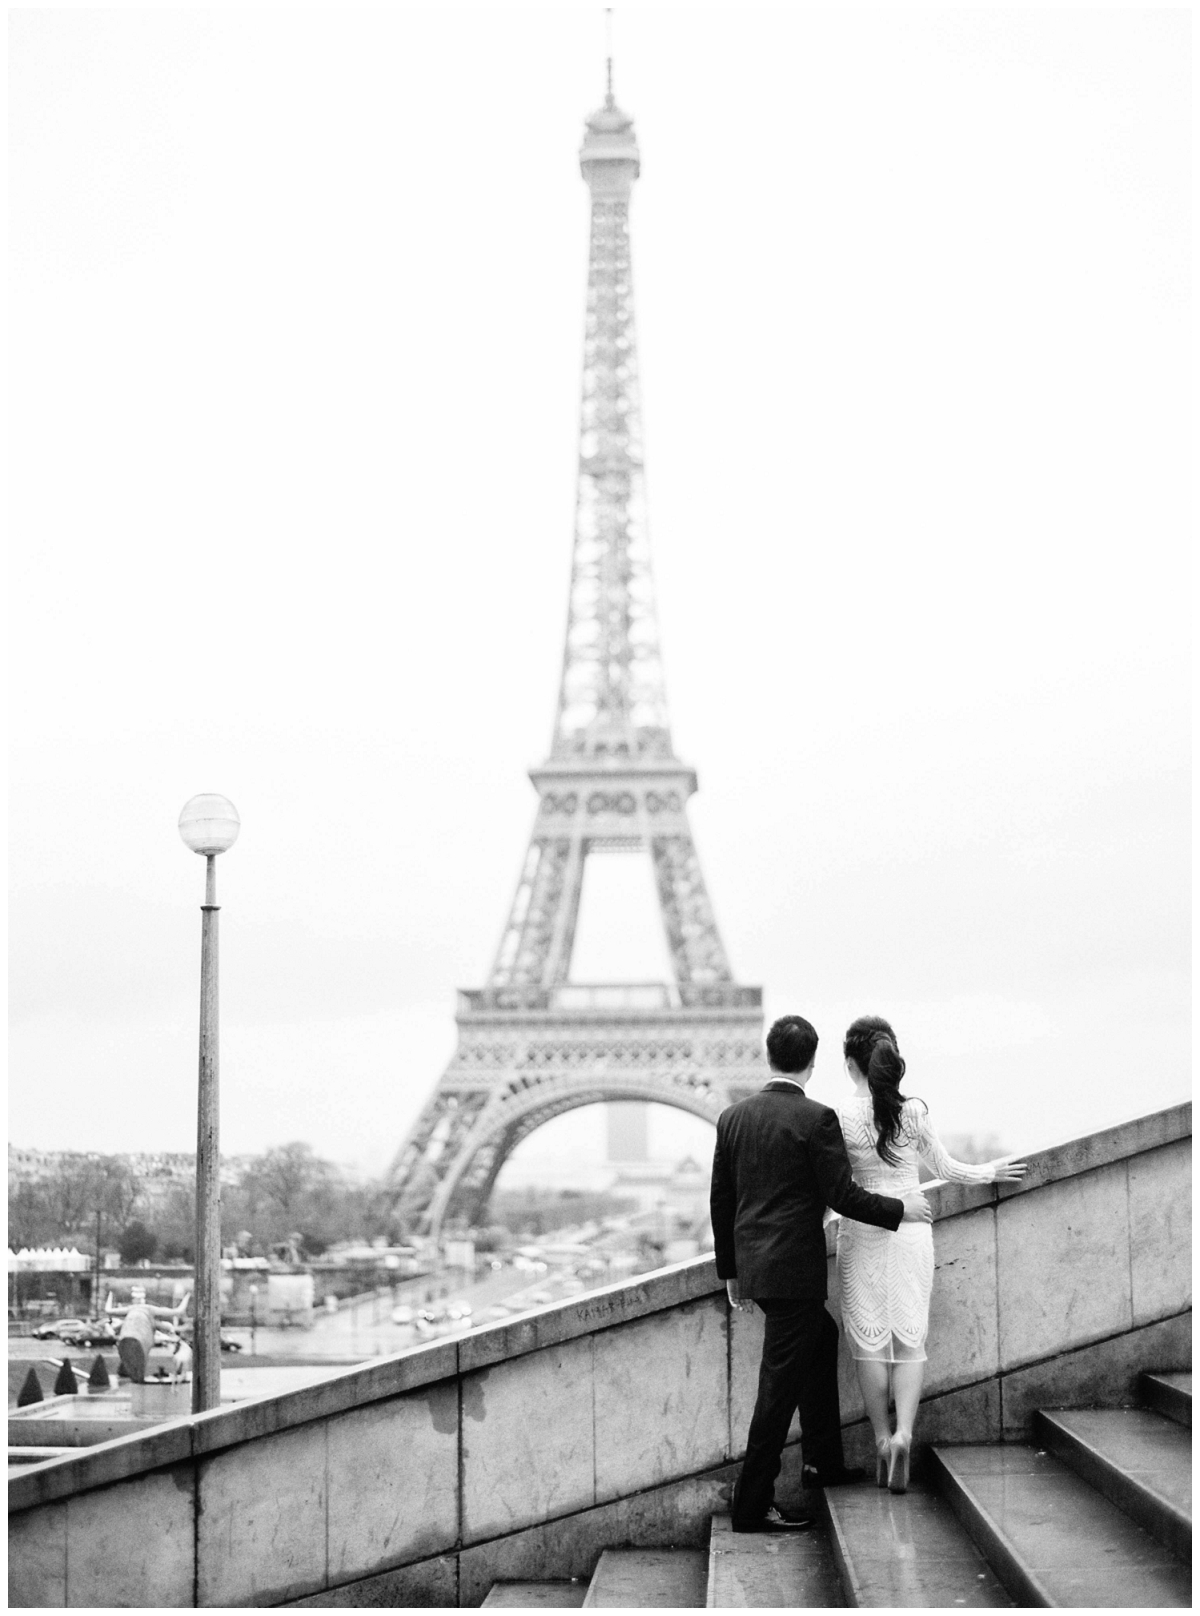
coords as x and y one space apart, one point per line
87 1333
166 1335
49 1332
445 1318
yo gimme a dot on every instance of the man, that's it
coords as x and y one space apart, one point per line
780 1161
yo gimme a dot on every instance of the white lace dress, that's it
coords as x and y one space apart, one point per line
886 1279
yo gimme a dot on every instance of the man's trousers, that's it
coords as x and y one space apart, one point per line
799 1370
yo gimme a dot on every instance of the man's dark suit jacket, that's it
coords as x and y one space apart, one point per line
780 1161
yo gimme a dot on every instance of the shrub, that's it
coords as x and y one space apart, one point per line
31 1391
65 1384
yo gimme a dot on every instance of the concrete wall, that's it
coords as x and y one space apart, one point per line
523 1449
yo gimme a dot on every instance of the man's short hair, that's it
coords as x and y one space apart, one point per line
791 1044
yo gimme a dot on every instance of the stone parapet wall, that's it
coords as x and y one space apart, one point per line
523 1448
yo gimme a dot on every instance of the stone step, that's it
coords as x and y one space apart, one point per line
1170 1392
1050 1537
907 1551
537 1595
760 1571
649 1579
1138 1459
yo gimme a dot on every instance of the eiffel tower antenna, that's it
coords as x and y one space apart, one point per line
608 53
531 1043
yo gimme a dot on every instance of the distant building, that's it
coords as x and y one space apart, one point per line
157 1171
678 1188
28 1166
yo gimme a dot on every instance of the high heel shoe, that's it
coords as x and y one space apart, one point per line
882 1456
898 1457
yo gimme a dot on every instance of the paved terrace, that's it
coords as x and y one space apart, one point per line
524 1449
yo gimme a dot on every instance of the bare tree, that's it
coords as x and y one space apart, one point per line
80 1199
289 1174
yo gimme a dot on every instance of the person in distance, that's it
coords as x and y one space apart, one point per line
886 1279
779 1162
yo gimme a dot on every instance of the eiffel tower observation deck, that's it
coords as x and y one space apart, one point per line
532 1044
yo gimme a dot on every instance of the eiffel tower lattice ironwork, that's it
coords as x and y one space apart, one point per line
532 1044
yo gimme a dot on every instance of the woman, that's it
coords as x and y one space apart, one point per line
886 1278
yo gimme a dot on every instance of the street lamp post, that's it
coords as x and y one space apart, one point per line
254 1321
96 1292
209 825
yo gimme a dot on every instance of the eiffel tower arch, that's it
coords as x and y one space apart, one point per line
532 1044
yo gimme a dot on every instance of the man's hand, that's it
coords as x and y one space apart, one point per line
916 1208
736 1299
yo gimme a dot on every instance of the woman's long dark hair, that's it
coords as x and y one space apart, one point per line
871 1044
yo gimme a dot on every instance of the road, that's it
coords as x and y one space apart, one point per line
364 1329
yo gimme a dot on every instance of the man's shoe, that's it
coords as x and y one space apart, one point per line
810 1476
777 1520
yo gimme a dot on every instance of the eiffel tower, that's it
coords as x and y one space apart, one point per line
532 1044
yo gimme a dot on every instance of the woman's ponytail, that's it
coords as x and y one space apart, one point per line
885 1068
871 1045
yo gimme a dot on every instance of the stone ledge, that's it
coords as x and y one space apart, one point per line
101 1465
196 1435
1068 1160
348 1388
1056 1162
553 1325
583 1315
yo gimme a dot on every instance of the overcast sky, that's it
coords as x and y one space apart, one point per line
298 315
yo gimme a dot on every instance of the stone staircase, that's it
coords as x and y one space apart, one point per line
1094 1511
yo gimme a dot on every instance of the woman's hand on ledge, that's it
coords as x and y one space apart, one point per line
1007 1171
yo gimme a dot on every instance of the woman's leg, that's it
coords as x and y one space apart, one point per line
907 1380
873 1378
